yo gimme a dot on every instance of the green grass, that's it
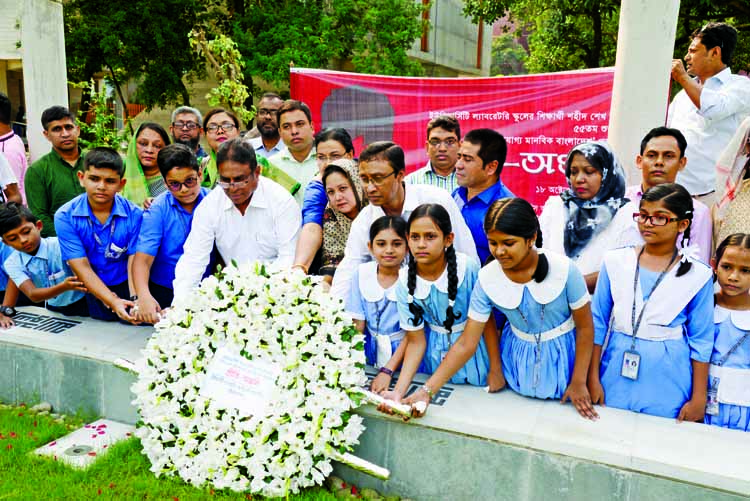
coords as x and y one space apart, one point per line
122 474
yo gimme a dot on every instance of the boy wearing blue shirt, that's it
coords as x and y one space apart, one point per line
98 231
35 266
166 225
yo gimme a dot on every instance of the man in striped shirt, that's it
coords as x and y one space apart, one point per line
443 135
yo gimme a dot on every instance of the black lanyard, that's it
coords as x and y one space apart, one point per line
637 324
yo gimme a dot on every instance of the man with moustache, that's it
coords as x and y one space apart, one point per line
269 142
186 129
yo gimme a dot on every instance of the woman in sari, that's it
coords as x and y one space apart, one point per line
144 180
732 213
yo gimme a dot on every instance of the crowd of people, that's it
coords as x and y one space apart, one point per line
444 270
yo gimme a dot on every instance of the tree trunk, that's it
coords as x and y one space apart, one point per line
122 98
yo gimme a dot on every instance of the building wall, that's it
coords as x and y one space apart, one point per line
452 42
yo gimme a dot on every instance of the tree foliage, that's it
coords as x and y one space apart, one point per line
508 56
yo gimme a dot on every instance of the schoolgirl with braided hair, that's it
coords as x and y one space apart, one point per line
433 295
658 299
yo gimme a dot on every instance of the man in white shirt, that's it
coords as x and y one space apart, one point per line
710 107
381 170
269 142
248 217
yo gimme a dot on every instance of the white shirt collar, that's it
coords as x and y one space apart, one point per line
423 287
740 318
508 294
369 286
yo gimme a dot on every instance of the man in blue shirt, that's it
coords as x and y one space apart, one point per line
166 225
98 231
480 161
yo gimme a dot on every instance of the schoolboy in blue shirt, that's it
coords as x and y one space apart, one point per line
98 231
35 265
166 225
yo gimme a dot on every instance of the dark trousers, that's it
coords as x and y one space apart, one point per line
163 295
78 309
98 310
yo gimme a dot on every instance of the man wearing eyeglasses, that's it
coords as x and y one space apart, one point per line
248 217
443 134
269 142
165 227
297 131
186 129
710 107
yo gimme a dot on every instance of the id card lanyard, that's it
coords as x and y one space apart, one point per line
631 359
712 396
537 348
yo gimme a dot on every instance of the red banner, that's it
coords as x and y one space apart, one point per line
541 116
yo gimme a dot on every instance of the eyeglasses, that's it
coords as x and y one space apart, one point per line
187 183
266 112
240 183
449 142
375 180
185 125
329 158
655 220
226 127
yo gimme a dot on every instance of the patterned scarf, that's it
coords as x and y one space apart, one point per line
587 218
731 167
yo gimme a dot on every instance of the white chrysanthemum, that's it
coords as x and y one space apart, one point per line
283 319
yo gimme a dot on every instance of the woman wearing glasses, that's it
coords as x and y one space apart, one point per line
144 181
584 221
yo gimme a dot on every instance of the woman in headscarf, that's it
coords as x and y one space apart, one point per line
222 125
585 221
345 200
144 180
732 213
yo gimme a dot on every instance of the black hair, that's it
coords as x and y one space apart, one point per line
665 131
176 155
56 113
237 150
395 223
293 105
492 146
13 215
442 220
335 134
719 35
216 111
333 168
156 128
516 217
104 157
4 109
387 151
676 199
741 240
445 122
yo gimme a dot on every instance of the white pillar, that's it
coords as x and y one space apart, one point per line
45 77
645 43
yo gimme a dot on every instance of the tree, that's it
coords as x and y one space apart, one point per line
508 56
142 40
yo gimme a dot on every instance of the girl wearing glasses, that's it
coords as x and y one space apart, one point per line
658 299
144 181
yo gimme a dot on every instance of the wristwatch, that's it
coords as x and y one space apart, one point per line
8 311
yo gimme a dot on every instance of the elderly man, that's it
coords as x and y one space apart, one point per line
248 217
186 129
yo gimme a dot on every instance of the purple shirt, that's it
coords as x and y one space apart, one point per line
14 150
701 229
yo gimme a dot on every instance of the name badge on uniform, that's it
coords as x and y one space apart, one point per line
712 396
631 363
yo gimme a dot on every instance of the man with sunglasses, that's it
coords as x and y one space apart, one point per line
443 138
710 107
247 216
165 227
186 129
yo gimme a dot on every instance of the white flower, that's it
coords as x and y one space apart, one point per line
283 319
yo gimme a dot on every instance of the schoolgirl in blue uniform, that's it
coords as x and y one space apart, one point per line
659 301
728 399
433 294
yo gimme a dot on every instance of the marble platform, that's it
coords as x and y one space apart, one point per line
470 446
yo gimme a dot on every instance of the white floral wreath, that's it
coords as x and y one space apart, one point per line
281 319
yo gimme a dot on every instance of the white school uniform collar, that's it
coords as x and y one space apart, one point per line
508 294
423 287
369 286
739 318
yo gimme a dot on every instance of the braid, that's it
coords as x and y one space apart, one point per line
539 241
685 266
452 267
411 283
